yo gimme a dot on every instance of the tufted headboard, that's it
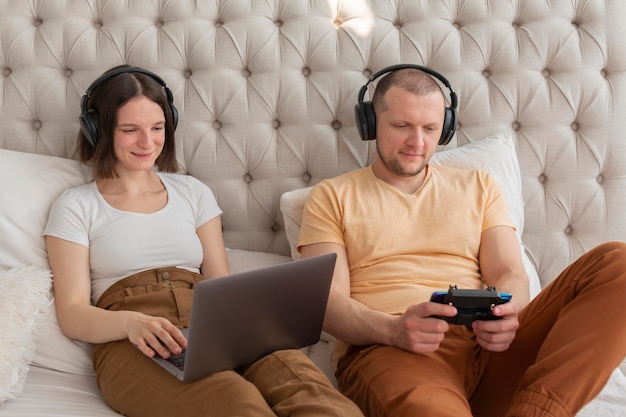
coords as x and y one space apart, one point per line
266 92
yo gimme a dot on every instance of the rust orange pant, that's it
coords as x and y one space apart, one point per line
284 383
571 338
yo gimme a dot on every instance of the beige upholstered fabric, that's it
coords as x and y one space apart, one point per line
266 91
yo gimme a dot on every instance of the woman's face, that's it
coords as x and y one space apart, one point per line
139 135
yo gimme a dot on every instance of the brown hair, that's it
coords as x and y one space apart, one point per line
106 99
410 79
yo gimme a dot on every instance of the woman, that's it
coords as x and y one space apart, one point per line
126 250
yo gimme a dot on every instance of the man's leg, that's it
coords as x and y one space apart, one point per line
571 337
386 381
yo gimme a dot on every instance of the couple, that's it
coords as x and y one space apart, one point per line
392 359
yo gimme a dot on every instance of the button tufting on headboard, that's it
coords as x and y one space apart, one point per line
266 92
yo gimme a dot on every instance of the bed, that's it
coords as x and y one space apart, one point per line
265 92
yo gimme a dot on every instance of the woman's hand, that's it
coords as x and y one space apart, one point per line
155 335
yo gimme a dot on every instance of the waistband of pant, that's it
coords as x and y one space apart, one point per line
148 281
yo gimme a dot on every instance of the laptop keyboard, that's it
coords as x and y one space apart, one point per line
178 360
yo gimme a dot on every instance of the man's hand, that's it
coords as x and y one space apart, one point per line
497 335
417 332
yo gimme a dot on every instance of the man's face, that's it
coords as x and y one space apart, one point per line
408 131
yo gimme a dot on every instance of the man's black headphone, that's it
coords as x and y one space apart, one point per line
89 117
366 118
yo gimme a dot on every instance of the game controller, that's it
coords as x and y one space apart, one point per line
471 305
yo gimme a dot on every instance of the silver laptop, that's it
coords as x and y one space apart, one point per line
240 318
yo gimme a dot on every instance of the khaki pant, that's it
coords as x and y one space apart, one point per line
285 383
571 337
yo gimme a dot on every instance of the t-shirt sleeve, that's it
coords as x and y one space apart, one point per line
322 217
67 219
496 207
206 202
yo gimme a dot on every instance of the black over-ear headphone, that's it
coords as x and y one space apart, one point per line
366 118
89 117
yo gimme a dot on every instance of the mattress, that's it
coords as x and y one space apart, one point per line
56 394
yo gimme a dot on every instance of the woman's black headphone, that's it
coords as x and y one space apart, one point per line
366 118
89 117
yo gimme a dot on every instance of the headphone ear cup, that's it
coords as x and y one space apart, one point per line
170 100
370 116
365 120
89 125
361 122
449 126
174 115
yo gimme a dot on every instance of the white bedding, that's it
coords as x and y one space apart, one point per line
611 402
57 394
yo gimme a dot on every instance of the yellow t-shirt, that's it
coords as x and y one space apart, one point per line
402 247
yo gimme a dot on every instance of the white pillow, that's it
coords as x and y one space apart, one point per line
495 154
292 205
30 183
60 353
24 300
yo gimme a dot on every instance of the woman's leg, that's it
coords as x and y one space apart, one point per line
134 385
294 386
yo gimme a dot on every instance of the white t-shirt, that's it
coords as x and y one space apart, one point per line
123 243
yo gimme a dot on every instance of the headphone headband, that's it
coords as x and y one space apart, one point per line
89 117
364 110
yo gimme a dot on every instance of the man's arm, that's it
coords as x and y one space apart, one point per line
501 266
357 324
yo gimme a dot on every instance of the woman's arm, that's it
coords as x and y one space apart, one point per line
80 320
214 261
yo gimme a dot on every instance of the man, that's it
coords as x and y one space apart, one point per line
402 229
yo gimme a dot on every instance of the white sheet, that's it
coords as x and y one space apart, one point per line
57 394
611 402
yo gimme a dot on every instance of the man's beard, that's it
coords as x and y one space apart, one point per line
394 165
